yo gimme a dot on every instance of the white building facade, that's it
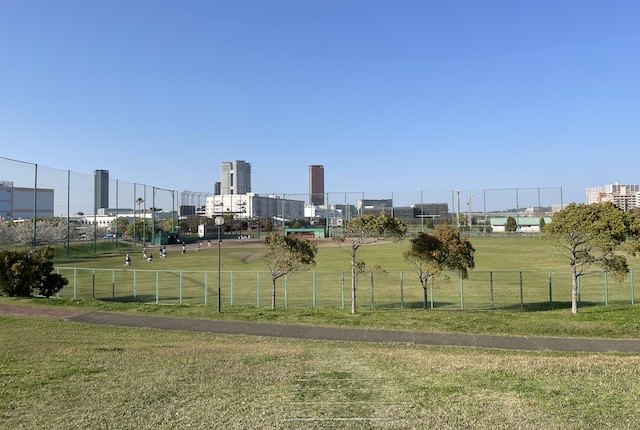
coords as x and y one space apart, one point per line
626 197
252 205
235 177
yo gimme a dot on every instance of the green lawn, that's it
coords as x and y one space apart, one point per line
59 375
509 273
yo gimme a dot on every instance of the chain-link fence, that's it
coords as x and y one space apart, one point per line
84 214
481 290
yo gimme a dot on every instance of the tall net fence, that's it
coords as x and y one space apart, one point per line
79 214
87 214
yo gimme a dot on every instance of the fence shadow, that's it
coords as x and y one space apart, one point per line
545 306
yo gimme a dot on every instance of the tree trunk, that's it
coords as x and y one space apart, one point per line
426 297
574 289
353 285
273 294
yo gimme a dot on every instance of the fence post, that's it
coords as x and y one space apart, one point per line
134 286
206 288
401 291
313 276
431 295
521 295
632 289
372 294
606 289
75 283
579 290
550 291
342 290
180 287
231 288
286 292
258 291
461 291
157 289
491 289
93 284
113 284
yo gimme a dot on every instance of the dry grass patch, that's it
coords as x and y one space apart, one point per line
58 375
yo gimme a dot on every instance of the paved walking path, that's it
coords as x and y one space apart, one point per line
332 333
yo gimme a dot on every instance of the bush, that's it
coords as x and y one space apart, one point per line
23 274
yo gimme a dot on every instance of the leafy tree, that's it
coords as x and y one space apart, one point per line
23 274
591 236
287 254
461 219
542 223
365 230
445 249
512 224
140 229
430 223
119 225
168 225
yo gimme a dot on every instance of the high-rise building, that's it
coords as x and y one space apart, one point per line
101 189
235 177
626 197
316 185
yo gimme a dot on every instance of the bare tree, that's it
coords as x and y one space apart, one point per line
366 230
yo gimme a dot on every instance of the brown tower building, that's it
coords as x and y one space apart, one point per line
316 185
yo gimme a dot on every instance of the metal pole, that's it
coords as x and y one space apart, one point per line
219 289
68 213
219 221
35 206
491 289
521 297
401 291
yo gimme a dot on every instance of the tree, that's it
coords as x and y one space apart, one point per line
591 236
512 224
138 229
119 225
287 254
365 230
168 225
23 274
444 250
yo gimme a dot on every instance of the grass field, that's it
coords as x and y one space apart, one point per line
59 375
509 273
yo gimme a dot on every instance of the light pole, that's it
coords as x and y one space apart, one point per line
219 222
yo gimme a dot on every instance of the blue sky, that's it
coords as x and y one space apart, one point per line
387 95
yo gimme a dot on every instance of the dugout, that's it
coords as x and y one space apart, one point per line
167 238
309 233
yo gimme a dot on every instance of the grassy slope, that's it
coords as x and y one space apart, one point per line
107 377
58 375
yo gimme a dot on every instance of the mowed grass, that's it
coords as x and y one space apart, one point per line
60 375
509 273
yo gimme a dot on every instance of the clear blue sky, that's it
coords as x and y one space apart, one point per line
387 95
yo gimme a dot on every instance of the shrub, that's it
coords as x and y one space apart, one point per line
26 273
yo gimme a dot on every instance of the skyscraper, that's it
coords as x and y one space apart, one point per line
235 177
316 185
101 189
